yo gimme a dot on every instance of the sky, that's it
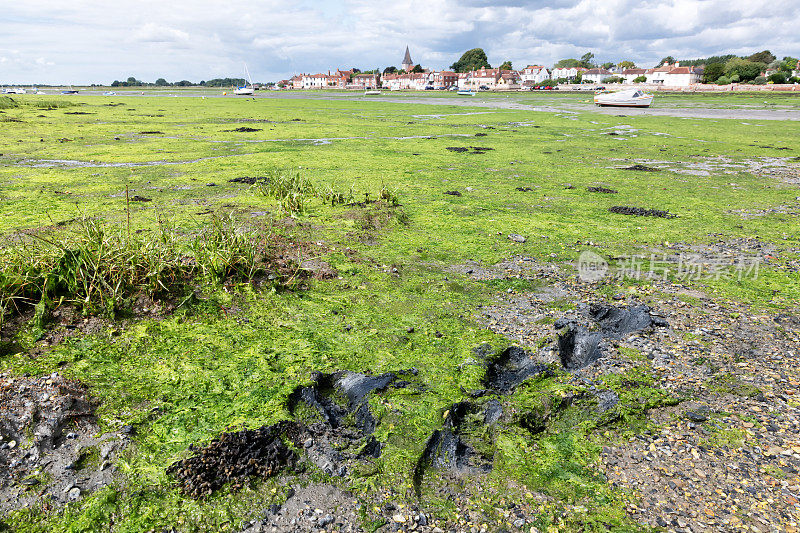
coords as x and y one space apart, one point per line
87 41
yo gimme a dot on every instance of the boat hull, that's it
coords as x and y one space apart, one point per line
628 98
246 91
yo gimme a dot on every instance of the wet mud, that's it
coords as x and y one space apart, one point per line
51 450
602 190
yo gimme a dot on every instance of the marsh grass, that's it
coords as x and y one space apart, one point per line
99 267
50 104
7 103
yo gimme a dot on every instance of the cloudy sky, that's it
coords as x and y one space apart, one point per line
86 41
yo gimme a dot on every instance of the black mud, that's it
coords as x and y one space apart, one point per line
248 180
640 168
450 449
243 129
640 211
234 457
511 367
453 193
580 345
602 190
151 133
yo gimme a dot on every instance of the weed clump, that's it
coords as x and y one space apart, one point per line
101 268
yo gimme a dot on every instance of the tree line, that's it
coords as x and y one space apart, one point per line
161 82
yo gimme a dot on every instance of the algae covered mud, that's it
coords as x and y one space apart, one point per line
344 315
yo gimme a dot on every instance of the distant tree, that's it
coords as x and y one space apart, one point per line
713 71
390 70
471 60
667 60
640 79
760 80
587 60
613 79
161 82
788 64
626 64
764 56
722 80
183 83
417 69
116 83
777 77
579 78
355 70
567 63
506 66
746 70
607 65
548 83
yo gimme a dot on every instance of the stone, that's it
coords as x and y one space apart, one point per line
73 494
516 238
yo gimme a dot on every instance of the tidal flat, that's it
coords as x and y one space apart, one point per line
332 312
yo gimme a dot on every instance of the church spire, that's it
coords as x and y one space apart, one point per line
407 64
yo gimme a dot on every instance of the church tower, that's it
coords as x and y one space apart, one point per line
407 63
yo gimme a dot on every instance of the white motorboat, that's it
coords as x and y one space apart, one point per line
245 90
626 98
371 93
466 93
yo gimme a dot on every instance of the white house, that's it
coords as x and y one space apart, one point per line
659 74
683 76
569 73
596 75
630 74
534 74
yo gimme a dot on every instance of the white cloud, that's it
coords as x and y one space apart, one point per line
85 40
156 33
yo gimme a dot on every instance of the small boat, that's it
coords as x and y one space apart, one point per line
17 90
626 98
245 90
109 93
371 93
466 93
71 91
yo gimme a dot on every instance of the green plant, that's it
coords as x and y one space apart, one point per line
289 187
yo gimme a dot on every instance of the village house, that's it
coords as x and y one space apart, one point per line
630 74
411 81
674 75
659 74
296 81
569 74
683 76
365 81
596 75
509 79
443 79
533 75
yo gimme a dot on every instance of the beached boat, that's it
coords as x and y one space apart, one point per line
466 93
371 93
109 93
626 98
245 90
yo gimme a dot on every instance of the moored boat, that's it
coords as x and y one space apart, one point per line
466 93
626 98
371 93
